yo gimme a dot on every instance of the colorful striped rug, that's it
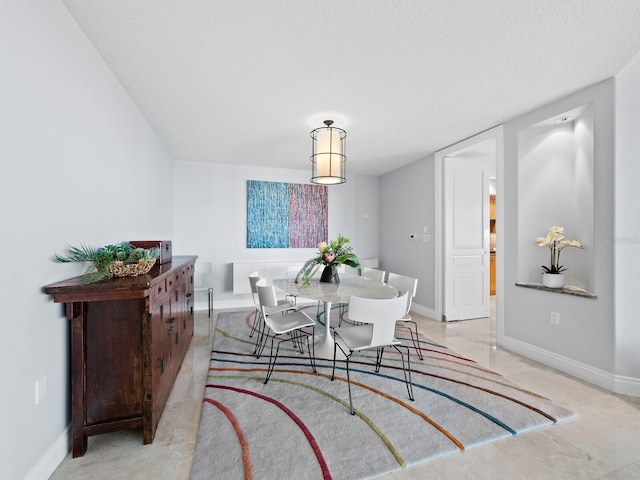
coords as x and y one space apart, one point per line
298 426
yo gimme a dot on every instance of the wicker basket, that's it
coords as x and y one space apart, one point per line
121 269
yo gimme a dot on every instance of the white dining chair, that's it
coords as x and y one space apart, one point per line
379 322
292 323
373 273
404 284
282 306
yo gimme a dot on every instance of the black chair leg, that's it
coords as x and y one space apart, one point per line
415 340
254 326
407 371
311 345
261 341
272 360
353 412
333 373
379 353
295 339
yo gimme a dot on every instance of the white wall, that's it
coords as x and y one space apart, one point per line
79 164
626 236
211 218
584 340
407 200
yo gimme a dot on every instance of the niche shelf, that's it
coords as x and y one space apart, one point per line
566 290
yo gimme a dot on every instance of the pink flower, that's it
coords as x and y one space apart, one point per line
329 257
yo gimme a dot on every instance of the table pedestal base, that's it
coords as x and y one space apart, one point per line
323 342
323 345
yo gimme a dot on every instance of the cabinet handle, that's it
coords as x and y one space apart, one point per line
162 366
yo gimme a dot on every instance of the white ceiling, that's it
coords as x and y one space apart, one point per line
245 81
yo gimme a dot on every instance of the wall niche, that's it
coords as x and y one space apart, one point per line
556 187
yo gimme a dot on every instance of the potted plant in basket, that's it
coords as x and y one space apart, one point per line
552 276
330 254
121 260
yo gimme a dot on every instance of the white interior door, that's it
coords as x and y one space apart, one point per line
466 238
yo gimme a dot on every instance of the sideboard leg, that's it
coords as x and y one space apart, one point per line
76 316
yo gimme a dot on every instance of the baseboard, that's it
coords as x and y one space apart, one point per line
427 312
52 457
596 376
627 385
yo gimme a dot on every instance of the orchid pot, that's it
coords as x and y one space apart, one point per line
553 280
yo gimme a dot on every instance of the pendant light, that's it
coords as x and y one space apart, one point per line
328 159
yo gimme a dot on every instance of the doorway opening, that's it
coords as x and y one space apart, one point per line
485 147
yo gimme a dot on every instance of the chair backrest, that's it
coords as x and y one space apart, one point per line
369 262
373 273
266 295
404 284
254 277
381 313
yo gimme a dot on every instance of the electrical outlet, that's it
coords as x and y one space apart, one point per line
555 318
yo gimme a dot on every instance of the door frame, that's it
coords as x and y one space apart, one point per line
496 134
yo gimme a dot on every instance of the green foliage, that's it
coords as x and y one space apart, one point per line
307 271
555 269
101 258
333 253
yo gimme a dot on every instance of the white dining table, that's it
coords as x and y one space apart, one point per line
330 293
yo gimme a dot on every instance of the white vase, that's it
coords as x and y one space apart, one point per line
553 280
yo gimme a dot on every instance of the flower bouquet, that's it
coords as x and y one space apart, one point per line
121 260
330 254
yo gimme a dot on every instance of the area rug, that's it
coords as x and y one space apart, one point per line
298 425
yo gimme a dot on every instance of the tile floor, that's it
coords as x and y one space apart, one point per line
602 443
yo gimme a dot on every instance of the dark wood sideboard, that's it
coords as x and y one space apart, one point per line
128 339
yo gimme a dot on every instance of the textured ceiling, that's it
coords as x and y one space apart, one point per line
244 81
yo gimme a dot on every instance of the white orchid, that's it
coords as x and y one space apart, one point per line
555 241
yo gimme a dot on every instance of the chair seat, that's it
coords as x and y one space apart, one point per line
283 306
289 322
359 337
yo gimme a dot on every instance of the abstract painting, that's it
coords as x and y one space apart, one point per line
286 215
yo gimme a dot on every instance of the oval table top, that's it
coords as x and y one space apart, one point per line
337 292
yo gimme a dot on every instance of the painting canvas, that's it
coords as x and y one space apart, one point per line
286 215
